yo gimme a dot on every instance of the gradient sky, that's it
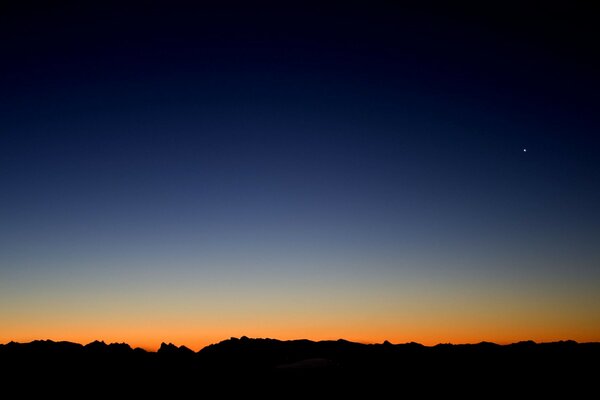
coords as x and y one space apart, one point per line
186 174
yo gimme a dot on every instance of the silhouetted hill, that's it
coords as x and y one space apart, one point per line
339 365
172 349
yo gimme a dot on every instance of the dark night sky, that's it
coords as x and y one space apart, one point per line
332 170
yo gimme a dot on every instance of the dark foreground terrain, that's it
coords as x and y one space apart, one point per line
287 368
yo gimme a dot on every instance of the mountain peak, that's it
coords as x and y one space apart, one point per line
173 349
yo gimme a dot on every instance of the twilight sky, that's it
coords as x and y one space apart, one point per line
190 173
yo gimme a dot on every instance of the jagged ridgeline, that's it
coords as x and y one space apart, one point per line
335 364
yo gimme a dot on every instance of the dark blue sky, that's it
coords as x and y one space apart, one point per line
288 141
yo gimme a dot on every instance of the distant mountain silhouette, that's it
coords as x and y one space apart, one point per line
172 349
341 366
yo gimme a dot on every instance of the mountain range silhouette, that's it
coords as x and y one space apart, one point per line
244 365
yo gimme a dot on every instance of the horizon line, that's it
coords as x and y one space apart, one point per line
243 338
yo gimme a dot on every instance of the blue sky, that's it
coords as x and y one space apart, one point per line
367 159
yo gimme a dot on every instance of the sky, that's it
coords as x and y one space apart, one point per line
359 170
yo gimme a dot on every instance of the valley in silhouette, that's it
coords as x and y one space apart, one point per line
249 365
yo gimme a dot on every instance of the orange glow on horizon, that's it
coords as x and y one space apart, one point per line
150 341
368 312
